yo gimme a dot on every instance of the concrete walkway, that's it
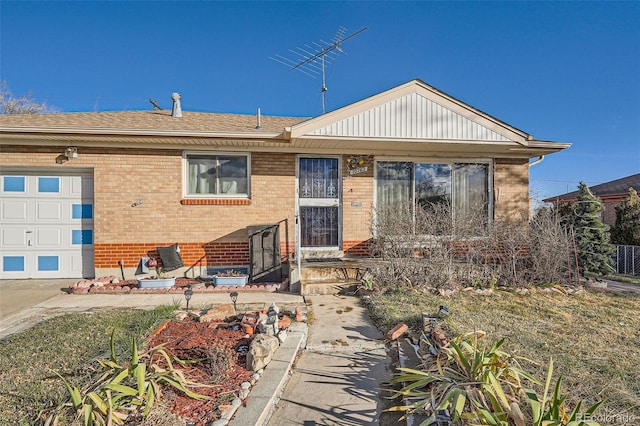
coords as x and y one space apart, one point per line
337 378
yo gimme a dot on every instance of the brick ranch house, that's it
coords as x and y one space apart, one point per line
611 193
82 192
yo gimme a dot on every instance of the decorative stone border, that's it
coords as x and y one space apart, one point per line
111 285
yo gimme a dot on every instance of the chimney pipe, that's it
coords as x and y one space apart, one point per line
176 111
258 118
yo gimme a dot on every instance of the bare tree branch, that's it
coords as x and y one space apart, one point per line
25 104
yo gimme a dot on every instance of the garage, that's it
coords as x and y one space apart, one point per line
46 225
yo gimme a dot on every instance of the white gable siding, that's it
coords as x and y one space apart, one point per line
412 116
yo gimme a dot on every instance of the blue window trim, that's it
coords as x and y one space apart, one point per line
48 263
82 236
47 184
82 211
14 184
13 263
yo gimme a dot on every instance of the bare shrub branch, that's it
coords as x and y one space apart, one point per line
430 247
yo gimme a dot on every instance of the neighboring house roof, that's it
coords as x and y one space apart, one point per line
413 118
614 189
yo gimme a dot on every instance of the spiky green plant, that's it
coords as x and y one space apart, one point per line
125 388
481 385
551 410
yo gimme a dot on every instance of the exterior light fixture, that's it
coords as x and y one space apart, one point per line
234 298
71 152
187 294
272 318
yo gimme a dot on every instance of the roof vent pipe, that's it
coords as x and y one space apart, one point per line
258 118
176 111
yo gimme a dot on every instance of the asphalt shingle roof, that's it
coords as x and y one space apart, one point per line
152 120
615 187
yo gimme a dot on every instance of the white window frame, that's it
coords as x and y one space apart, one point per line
185 174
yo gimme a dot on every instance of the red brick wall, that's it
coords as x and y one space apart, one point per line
192 254
609 213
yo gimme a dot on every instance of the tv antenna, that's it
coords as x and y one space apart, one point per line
311 59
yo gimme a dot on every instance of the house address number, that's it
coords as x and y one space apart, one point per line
358 170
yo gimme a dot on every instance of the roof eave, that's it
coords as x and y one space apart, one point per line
136 132
400 146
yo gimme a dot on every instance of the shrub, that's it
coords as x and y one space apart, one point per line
627 228
424 246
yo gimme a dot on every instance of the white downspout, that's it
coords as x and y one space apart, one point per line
538 161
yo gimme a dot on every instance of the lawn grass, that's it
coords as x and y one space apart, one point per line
64 344
594 338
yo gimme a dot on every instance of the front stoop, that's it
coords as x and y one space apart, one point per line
327 286
329 276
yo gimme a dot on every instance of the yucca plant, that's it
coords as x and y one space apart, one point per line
552 410
124 388
477 385
472 382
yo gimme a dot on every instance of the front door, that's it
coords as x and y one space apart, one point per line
319 196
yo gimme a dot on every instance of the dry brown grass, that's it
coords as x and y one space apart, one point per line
594 338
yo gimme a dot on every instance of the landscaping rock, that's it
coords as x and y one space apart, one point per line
446 293
261 351
284 322
227 411
218 313
594 283
397 331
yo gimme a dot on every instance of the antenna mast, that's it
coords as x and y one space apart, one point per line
311 59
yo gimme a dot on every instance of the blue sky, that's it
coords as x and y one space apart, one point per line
562 71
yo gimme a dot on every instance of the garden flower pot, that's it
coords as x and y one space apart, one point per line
156 282
239 280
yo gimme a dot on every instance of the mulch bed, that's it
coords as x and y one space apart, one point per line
208 343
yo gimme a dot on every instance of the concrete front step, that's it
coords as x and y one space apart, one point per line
331 272
326 286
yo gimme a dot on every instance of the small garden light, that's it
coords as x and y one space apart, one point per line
443 311
272 318
187 295
234 298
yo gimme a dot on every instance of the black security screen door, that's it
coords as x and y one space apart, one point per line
319 202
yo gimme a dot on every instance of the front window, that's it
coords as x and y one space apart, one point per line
459 188
217 175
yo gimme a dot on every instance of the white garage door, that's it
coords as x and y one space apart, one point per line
46 225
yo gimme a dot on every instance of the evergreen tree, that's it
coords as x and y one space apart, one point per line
592 235
626 231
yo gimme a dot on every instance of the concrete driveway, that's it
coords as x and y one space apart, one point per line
17 295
